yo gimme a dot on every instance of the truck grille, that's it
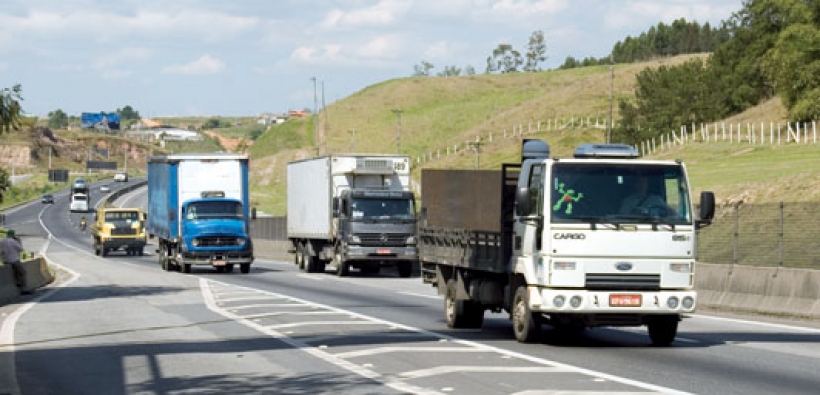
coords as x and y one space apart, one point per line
123 232
217 241
617 282
383 239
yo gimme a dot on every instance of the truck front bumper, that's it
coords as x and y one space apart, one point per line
385 253
217 258
578 301
116 243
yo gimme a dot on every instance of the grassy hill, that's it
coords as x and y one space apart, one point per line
438 113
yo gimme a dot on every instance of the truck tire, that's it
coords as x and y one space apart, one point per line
662 330
405 269
229 268
297 256
162 257
461 313
245 268
186 268
305 260
312 264
103 251
526 325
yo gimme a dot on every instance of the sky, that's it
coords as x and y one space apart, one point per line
246 57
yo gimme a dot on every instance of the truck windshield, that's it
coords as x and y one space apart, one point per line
381 208
214 210
619 193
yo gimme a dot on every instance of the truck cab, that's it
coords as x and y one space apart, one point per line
214 232
117 228
376 226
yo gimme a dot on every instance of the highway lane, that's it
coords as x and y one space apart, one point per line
150 331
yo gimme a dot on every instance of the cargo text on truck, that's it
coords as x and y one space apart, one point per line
601 239
198 210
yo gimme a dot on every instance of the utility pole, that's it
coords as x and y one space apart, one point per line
315 117
398 112
325 126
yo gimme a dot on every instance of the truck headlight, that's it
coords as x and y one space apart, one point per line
411 240
688 303
559 301
240 241
195 242
355 239
672 302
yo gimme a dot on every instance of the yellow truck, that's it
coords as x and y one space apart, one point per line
118 227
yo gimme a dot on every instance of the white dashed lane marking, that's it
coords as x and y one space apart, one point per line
402 357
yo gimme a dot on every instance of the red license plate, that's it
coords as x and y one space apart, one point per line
625 300
381 251
220 263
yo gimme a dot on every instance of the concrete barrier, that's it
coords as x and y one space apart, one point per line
8 284
762 290
33 273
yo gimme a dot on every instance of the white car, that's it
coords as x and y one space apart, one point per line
105 189
79 203
121 176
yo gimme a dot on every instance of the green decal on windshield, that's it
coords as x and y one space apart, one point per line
567 198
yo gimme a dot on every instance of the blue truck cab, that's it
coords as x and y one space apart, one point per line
198 210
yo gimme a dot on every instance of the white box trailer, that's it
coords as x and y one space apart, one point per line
351 211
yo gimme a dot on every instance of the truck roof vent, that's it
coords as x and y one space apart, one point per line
534 149
606 151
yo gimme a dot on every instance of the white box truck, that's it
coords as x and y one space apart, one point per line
352 211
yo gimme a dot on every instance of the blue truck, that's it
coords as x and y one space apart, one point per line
198 210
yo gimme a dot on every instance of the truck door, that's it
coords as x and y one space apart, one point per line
529 227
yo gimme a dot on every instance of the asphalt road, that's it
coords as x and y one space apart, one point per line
120 325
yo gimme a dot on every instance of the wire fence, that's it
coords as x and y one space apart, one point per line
769 234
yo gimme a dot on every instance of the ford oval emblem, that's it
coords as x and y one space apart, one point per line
623 266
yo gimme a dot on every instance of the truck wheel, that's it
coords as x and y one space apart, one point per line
245 268
526 325
304 264
405 269
186 268
461 313
140 252
662 330
297 256
163 260
229 267
312 264
96 249
104 251
343 269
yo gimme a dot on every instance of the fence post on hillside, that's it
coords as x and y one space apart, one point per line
731 133
780 238
723 131
762 133
778 134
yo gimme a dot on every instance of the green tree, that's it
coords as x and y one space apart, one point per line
536 51
450 71
127 113
57 119
10 108
793 66
505 59
422 69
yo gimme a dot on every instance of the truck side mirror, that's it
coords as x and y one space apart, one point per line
522 202
336 205
707 209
